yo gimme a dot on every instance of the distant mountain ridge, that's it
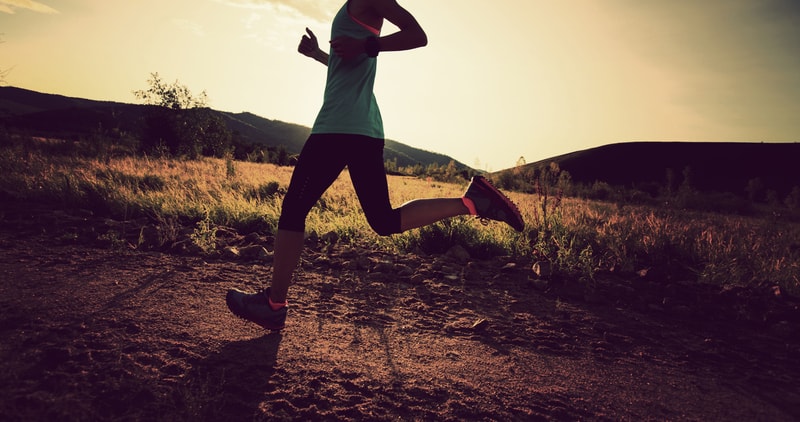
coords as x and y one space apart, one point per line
42 113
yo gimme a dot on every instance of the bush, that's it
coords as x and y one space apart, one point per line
264 191
440 237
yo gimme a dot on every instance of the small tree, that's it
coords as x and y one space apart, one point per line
669 190
792 200
687 186
180 123
754 189
451 172
172 96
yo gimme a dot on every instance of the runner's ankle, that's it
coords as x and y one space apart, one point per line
470 204
275 305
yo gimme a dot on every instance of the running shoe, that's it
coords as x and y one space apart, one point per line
492 204
254 307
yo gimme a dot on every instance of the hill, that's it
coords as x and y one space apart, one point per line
648 166
44 114
712 166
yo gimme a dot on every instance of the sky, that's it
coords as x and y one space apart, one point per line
498 81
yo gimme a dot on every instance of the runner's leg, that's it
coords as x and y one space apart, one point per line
319 165
369 179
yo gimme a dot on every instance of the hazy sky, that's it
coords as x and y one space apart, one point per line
498 80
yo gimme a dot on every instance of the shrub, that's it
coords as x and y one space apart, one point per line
263 191
440 237
551 240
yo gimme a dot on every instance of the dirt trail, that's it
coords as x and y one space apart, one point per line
94 334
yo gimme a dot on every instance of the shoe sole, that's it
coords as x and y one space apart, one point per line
485 184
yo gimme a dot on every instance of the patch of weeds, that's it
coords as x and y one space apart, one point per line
263 191
204 235
151 183
230 167
96 197
112 239
119 179
440 237
68 237
550 239
256 223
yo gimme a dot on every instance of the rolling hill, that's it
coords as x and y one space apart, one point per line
712 166
49 114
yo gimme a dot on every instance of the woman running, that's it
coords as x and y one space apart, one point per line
348 132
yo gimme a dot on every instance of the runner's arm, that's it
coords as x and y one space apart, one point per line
310 47
410 36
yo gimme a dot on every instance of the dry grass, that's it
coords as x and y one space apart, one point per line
580 237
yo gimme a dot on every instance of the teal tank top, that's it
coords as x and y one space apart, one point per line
349 105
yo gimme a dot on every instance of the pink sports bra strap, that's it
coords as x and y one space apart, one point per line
369 28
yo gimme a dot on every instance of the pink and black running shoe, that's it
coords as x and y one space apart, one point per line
492 204
255 307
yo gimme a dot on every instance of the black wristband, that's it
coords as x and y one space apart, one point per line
372 47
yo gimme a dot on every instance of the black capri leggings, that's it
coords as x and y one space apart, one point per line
323 158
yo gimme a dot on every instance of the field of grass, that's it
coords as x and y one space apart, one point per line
579 238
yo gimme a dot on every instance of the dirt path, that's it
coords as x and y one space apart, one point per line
93 334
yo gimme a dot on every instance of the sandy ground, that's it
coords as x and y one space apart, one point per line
94 333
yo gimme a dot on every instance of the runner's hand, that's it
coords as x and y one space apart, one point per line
308 44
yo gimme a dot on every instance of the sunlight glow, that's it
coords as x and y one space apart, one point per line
498 80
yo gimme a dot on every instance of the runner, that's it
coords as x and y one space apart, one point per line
348 132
